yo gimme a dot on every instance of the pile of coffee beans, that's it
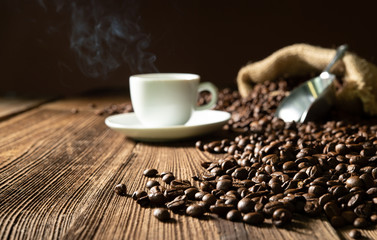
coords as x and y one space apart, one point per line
273 169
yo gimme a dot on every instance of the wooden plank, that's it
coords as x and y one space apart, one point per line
58 169
182 159
53 164
10 106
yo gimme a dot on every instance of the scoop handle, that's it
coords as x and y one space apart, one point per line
339 54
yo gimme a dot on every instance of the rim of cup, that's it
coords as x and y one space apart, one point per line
165 76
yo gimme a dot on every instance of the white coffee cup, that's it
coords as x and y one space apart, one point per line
168 99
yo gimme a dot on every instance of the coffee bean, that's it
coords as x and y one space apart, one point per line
157 188
170 194
232 201
180 184
224 185
364 210
317 190
355 234
354 181
206 186
152 183
245 205
199 195
281 217
270 207
349 216
121 189
138 194
312 208
157 198
337 221
143 201
190 193
331 209
373 218
199 145
234 215
167 178
161 214
360 222
289 165
253 218
179 203
325 198
220 209
195 210
209 199
355 200
151 172
240 173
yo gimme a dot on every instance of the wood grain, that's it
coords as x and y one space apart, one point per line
58 170
9 106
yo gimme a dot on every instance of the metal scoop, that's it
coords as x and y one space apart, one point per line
313 99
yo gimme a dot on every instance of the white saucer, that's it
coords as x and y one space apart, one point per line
201 122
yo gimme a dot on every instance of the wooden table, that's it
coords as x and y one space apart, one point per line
58 169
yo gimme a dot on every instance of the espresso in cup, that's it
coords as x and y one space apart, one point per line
168 99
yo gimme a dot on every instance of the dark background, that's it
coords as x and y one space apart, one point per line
211 38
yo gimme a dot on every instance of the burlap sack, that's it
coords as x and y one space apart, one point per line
359 89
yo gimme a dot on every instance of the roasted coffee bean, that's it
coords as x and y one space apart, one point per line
331 209
224 185
317 190
360 222
363 210
209 199
270 207
152 183
355 234
312 208
138 194
240 173
225 177
289 165
151 172
199 145
355 200
206 186
170 194
349 216
199 195
167 178
232 201
253 218
220 209
337 221
195 210
325 198
161 214
180 184
281 217
157 198
143 201
372 192
205 164
234 215
190 193
179 203
354 181
121 189
246 205
339 191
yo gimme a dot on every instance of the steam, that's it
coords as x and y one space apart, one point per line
105 35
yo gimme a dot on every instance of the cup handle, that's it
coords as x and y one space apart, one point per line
207 86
